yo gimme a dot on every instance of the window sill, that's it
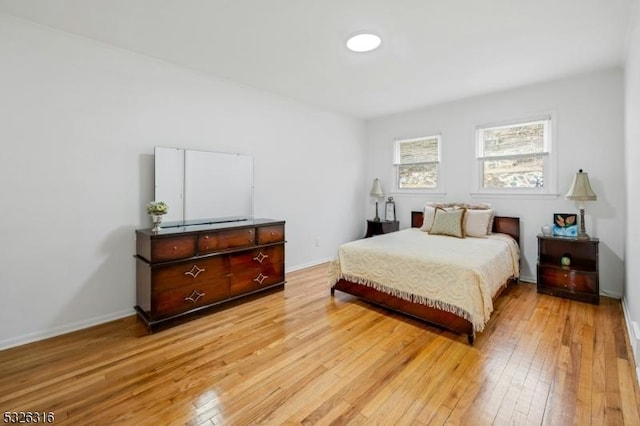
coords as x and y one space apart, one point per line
414 192
512 194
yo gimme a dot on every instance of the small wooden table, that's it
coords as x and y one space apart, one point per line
381 227
577 277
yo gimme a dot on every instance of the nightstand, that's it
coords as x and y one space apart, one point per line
382 227
568 267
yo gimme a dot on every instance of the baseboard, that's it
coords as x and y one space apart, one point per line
309 264
528 279
633 329
64 329
612 294
68 328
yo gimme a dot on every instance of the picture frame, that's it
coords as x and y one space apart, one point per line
565 225
390 210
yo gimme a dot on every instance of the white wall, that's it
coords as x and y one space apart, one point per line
79 123
80 120
588 111
632 162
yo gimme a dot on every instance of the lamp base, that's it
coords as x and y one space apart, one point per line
582 235
377 218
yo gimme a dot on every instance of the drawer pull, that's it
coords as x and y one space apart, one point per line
194 297
175 248
194 271
260 257
260 278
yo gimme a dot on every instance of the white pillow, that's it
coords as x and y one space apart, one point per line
427 218
477 223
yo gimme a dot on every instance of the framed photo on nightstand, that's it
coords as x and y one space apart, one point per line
390 210
565 225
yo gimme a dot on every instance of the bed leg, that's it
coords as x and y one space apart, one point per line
471 337
333 291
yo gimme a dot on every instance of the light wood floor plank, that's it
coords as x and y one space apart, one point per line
300 356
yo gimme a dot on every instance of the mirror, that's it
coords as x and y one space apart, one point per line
202 186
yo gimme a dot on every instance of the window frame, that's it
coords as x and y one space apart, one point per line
549 158
439 189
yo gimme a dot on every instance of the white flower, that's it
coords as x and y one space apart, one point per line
157 207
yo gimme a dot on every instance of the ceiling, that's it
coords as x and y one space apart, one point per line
432 50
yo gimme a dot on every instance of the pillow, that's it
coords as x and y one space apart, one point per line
482 206
427 218
477 223
449 222
477 206
430 212
458 205
445 206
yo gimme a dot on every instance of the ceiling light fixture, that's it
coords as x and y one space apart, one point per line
363 42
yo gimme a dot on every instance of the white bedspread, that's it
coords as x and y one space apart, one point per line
458 275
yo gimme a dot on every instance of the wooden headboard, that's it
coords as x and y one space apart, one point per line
501 224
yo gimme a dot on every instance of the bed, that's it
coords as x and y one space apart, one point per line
431 277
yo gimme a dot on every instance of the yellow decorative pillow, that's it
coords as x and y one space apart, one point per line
449 223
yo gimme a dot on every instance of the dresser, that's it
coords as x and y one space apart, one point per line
182 270
568 267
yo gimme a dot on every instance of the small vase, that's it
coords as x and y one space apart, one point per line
157 220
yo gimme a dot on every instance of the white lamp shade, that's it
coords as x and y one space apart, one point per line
580 188
376 191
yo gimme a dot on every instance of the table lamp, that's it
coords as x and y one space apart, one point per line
581 191
377 193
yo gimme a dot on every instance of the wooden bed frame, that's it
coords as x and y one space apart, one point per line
447 320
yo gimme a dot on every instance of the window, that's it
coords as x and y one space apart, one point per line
417 163
515 157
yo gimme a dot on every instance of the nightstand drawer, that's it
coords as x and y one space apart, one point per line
568 279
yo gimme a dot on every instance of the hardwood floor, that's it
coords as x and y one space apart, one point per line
299 356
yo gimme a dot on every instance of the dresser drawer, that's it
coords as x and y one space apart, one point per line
197 271
256 269
568 279
163 249
185 298
234 238
270 234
